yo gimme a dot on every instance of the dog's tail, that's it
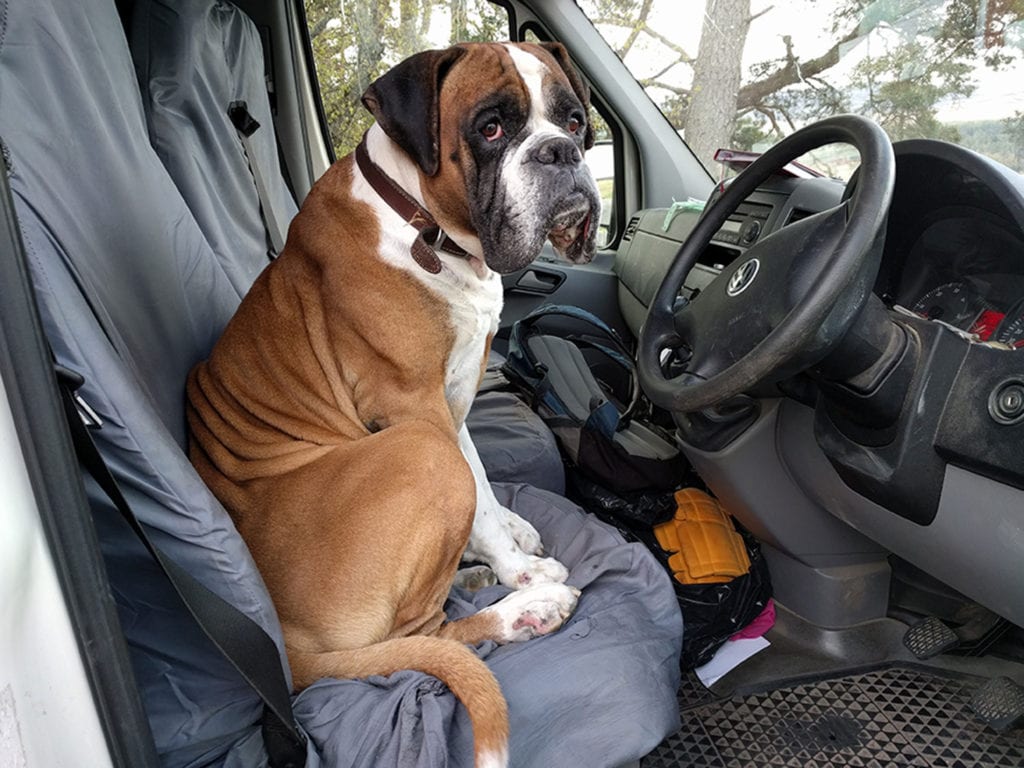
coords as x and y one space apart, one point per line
449 661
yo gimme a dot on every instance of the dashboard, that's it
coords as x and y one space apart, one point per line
942 484
955 250
652 238
953 259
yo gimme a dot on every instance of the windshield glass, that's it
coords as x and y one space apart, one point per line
741 74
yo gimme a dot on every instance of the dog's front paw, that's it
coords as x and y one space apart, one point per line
537 610
526 535
531 570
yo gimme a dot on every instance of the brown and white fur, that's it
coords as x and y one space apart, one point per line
330 417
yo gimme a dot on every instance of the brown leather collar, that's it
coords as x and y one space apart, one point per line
431 237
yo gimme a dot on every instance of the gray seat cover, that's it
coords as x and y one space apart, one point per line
598 693
132 295
193 59
514 443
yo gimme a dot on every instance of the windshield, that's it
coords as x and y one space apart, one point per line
741 74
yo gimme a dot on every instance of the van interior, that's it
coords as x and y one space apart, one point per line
842 407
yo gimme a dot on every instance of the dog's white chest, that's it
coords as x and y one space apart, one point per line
475 311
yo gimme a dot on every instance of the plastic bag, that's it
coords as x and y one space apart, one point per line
640 508
712 613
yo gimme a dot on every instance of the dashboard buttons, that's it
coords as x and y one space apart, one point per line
1006 403
742 231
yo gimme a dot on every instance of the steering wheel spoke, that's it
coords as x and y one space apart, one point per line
714 340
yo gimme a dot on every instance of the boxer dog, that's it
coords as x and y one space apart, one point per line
330 417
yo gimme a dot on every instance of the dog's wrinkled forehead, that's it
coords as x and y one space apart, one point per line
533 72
550 86
418 99
497 131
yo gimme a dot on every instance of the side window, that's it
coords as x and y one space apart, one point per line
354 43
601 159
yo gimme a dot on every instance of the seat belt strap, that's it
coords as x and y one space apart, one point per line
245 644
246 125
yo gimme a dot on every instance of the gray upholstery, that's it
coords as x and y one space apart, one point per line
514 443
599 692
132 295
194 58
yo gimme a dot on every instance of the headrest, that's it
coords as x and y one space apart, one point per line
196 59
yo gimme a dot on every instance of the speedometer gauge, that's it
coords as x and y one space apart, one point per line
1011 330
953 303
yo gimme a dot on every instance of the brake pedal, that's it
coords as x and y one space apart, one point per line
999 703
930 637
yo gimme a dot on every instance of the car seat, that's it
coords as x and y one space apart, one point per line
131 295
635 457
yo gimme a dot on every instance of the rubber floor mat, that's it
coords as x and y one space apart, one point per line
896 716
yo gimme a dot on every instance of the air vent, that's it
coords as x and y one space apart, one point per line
631 228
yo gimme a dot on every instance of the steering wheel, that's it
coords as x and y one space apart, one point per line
784 303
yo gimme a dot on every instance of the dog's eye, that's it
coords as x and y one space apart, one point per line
574 125
492 130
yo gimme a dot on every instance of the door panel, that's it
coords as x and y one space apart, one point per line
539 280
548 280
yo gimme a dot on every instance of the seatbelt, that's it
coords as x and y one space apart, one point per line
247 125
245 644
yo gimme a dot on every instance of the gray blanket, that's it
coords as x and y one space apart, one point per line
599 692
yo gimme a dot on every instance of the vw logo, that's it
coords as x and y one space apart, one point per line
742 277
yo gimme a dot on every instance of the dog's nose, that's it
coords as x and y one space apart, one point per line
557 150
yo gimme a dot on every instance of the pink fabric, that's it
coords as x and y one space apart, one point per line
764 621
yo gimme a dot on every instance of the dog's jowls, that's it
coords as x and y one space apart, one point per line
329 417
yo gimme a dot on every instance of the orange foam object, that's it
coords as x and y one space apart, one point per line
705 547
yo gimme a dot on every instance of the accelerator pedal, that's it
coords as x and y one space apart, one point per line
999 704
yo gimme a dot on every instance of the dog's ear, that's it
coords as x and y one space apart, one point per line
404 100
582 91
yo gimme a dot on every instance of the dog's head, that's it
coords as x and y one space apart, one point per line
497 132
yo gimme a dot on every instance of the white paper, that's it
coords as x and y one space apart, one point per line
728 657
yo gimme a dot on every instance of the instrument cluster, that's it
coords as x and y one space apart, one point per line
954 249
962 305
965 267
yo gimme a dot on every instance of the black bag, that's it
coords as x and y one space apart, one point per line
712 613
607 443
